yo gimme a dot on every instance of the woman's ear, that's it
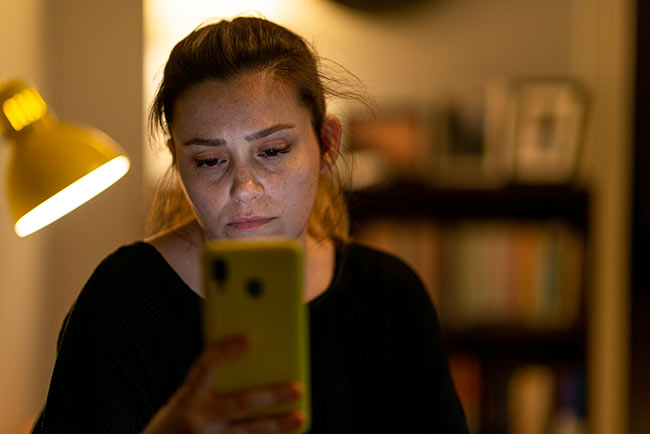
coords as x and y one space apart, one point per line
330 141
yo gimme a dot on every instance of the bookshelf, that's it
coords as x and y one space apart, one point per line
413 199
506 269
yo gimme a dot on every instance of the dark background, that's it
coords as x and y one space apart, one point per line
640 272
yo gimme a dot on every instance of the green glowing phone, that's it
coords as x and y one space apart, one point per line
255 288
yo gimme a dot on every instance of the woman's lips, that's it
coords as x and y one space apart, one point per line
249 224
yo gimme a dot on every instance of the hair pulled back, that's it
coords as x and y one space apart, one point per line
225 50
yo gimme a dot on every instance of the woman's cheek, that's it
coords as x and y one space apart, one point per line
198 201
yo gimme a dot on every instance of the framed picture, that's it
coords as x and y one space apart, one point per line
470 137
546 131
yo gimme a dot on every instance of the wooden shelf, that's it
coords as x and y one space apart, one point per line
525 202
515 345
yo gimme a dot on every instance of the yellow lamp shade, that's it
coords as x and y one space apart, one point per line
55 167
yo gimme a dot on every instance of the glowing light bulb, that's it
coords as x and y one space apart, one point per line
24 108
72 196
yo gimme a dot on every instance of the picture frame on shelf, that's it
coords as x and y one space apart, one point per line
471 146
546 129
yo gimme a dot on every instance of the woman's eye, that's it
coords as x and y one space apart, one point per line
274 152
210 162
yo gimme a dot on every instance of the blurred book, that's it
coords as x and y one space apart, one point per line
530 400
511 273
542 400
490 273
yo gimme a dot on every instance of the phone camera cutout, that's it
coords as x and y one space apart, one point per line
219 270
254 288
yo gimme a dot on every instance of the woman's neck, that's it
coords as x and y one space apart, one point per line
320 261
181 247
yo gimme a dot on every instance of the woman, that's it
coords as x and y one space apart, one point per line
243 106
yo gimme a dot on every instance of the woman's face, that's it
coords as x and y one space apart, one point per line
248 157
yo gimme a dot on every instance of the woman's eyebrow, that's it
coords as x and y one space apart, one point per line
268 131
205 142
249 138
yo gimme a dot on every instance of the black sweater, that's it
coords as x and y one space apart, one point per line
378 359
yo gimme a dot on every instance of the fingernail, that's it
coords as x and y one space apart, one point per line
296 389
297 419
293 421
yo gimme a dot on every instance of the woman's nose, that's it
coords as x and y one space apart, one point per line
245 187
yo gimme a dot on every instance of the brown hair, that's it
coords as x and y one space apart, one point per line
222 51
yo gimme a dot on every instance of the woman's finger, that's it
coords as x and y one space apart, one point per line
237 404
275 424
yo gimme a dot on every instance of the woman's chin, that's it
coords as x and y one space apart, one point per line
257 233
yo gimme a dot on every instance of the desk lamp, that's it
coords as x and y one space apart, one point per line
55 167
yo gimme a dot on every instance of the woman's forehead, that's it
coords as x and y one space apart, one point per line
250 98
243 87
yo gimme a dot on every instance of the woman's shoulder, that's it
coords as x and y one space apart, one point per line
127 264
365 259
364 272
126 254
133 278
132 292
377 286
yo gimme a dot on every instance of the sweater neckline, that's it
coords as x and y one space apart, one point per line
169 270
339 248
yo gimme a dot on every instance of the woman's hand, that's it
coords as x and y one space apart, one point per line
196 408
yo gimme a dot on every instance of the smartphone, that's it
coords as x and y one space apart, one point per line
255 288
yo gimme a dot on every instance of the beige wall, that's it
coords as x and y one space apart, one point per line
419 54
21 45
86 59
604 59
